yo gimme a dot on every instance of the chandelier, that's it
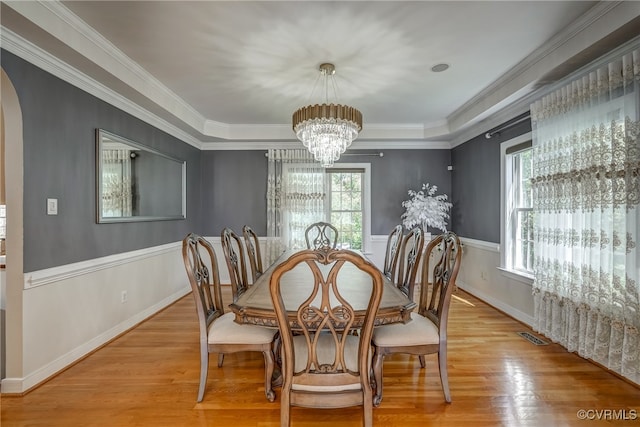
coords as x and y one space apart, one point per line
327 130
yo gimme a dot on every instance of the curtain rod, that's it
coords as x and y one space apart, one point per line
507 125
379 154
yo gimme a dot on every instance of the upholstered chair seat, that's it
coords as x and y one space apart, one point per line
219 333
226 331
419 331
426 333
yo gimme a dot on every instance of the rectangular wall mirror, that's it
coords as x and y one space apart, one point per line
137 183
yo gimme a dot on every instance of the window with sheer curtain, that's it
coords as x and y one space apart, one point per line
518 207
586 190
301 192
117 197
345 188
295 198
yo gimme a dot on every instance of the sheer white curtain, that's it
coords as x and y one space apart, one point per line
295 199
586 190
117 197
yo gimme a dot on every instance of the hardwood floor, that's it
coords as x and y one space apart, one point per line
149 377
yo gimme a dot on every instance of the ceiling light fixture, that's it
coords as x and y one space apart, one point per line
327 130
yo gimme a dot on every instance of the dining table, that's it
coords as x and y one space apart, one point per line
255 306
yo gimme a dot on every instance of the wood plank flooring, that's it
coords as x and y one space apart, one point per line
149 377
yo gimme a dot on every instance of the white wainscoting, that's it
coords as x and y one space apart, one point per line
71 310
480 276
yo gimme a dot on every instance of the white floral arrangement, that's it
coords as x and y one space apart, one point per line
426 209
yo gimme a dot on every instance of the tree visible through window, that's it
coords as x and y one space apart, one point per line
345 206
519 214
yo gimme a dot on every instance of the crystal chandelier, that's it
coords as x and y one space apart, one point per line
327 130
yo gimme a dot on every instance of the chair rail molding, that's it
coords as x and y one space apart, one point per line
56 274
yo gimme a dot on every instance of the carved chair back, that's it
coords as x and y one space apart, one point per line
326 364
236 262
440 270
202 271
391 255
409 261
253 251
321 235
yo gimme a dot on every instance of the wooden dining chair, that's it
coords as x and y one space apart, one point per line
218 331
411 250
236 262
253 251
321 235
324 364
391 254
426 333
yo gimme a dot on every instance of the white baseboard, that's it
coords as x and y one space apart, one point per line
507 309
20 385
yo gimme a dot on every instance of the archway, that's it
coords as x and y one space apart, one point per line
11 133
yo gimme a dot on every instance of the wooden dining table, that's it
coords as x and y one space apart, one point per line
256 308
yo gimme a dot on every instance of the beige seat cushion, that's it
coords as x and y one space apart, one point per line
326 355
420 331
224 330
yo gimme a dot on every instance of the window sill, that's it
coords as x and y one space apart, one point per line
517 276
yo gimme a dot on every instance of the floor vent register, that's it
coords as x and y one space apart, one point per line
532 338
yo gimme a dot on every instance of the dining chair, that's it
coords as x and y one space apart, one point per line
236 262
411 250
391 254
426 333
325 365
321 235
219 333
253 251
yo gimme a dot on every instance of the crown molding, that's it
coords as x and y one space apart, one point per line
284 132
491 107
236 137
519 81
523 103
33 54
57 20
357 145
85 40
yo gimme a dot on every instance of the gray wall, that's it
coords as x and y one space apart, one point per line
234 186
59 123
397 172
234 191
476 184
157 184
224 188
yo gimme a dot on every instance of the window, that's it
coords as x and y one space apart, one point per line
304 200
340 195
517 208
345 206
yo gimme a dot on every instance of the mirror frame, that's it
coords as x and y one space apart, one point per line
100 219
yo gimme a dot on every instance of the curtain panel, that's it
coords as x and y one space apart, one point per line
117 196
586 190
295 199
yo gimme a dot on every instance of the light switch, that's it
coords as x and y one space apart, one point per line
52 206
